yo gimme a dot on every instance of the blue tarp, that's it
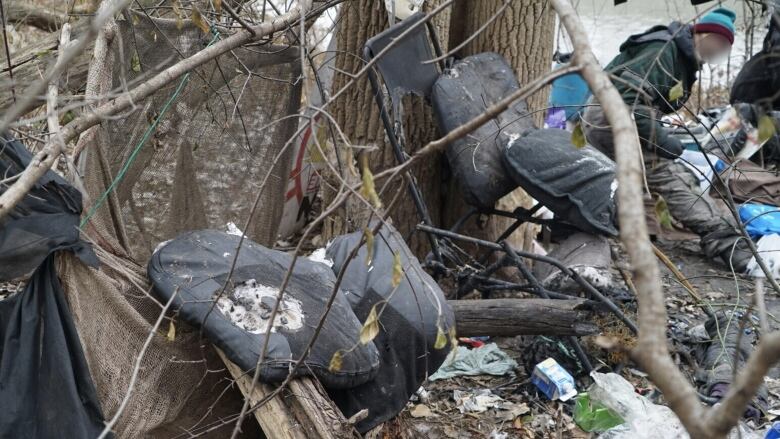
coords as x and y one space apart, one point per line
760 219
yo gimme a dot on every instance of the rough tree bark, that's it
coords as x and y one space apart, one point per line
525 38
29 62
523 34
511 317
22 12
358 116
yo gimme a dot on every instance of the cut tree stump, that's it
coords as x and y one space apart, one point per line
302 411
510 317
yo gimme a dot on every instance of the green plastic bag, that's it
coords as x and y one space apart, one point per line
593 417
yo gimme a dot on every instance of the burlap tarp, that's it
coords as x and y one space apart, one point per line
201 167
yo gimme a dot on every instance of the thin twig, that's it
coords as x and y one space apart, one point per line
42 161
51 96
474 35
763 321
238 18
27 102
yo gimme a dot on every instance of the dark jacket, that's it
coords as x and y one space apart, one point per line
649 65
759 80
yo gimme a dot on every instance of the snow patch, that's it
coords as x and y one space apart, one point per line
403 9
597 277
232 229
249 306
512 139
613 189
769 248
319 256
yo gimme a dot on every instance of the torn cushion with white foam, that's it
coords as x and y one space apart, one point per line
194 268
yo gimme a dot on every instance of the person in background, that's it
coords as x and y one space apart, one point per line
756 91
758 82
655 73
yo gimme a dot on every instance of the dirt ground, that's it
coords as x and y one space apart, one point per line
435 414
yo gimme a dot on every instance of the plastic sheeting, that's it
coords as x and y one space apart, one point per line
643 419
195 266
577 185
760 219
46 390
44 221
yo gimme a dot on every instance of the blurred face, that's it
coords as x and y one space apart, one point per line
712 48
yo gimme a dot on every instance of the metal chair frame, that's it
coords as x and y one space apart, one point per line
446 257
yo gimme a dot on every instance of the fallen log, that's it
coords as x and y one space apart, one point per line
510 317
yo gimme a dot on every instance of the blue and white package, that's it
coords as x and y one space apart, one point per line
553 380
760 219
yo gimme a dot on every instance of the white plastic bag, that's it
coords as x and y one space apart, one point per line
769 249
403 8
644 420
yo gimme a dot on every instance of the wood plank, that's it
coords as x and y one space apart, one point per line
274 417
302 411
314 409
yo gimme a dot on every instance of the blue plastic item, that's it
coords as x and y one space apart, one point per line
774 432
760 219
556 118
570 92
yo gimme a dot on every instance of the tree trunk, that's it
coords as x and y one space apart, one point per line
523 34
29 63
358 116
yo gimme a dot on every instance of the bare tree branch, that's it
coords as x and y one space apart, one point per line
42 161
36 15
652 352
51 96
30 97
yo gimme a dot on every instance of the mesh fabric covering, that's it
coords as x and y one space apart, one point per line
201 168
207 159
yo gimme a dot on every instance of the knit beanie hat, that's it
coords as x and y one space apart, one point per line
719 21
